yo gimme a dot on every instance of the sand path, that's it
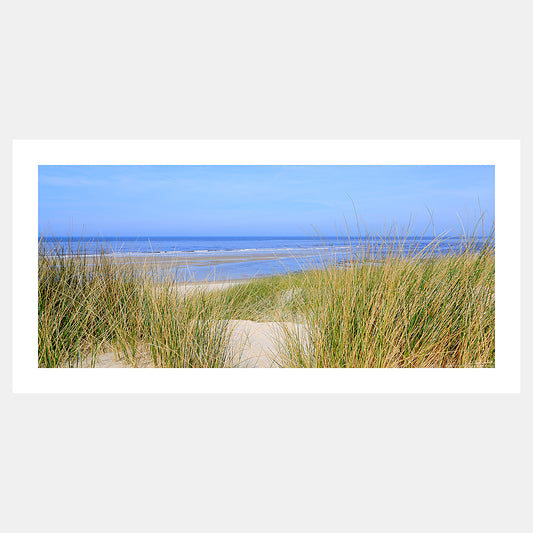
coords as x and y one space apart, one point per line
255 345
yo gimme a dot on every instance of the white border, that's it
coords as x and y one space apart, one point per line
28 155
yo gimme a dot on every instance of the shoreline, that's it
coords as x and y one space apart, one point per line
205 269
183 259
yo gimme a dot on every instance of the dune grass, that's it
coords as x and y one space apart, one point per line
92 304
404 312
388 306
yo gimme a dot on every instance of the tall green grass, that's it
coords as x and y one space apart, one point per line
92 304
401 308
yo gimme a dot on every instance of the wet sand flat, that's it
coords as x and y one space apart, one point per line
168 261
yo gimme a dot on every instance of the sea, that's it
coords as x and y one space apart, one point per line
230 258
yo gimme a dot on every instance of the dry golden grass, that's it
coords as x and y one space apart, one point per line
437 312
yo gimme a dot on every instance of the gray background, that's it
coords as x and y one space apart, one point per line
277 69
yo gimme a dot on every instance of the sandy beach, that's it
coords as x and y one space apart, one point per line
201 266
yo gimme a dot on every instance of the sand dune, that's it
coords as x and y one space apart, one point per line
254 345
257 343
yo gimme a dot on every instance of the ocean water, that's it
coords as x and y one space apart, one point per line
190 245
225 258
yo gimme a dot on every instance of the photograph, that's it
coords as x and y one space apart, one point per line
266 266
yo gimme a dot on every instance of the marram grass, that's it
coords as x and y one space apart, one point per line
436 312
383 309
92 304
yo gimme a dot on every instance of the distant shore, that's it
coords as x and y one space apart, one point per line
167 260
209 268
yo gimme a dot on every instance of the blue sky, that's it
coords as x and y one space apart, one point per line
256 200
